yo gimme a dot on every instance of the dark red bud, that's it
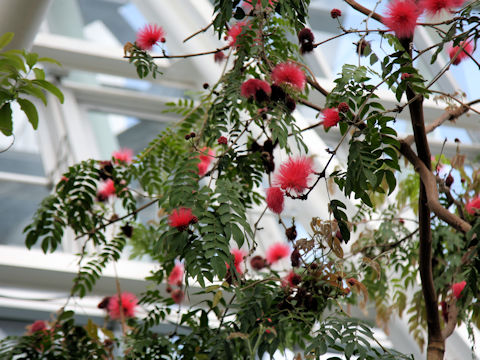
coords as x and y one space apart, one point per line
104 303
258 262
449 180
127 230
338 235
335 13
343 107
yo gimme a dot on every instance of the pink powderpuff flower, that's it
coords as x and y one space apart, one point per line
277 252
106 190
218 57
206 156
289 73
275 199
247 5
433 7
123 156
294 174
291 280
177 296
473 206
234 31
238 256
401 17
464 48
38 325
255 88
330 118
181 218
176 275
129 303
457 289
149 35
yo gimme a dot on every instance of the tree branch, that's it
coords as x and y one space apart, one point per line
364 10
184 56
449 115
451 321
428 178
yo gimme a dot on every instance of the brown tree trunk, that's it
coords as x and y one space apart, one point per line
436 343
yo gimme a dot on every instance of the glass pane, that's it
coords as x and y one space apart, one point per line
115 131
18 203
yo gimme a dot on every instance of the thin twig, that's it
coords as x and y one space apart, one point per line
198 32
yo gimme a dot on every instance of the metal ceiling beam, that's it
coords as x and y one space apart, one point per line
122 101
78 54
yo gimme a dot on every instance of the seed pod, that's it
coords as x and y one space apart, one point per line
291 233
295 258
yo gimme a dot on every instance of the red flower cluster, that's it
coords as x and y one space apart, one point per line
218 57
401 17
178 295
289 73
433 7
254 88
275 199
129 302
463 49
176 275
277 252
291 280
106 190
247 5
234 31
330 118
457 289
205 157
123 156
149 36
181 218
473 206
405 76
238 256
294 174
38 325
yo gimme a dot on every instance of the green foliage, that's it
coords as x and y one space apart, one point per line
143 62
89 273
234 311
17 67
356 340
63 339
